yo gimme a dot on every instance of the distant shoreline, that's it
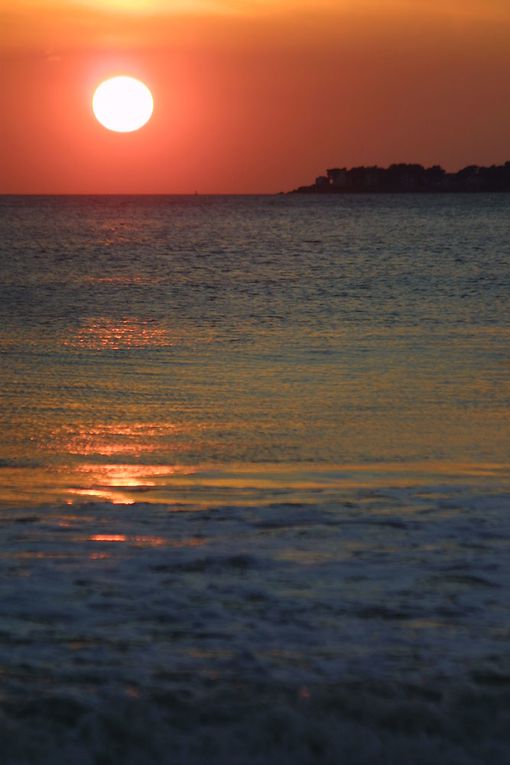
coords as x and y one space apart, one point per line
409 178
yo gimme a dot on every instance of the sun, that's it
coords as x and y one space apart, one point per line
122 104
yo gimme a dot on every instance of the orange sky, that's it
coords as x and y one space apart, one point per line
250 95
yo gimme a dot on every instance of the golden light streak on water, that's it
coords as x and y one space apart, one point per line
102 333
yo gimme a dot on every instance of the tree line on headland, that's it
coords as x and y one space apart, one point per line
401 178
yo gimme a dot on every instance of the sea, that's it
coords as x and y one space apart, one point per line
255 480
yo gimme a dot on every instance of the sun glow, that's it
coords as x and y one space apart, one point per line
122 104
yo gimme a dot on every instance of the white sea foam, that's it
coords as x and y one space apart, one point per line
371 629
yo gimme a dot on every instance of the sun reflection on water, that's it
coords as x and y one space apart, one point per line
108 440
104 495
139 540
102 333
113 483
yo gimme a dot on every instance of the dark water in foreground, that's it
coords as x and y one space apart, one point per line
254 485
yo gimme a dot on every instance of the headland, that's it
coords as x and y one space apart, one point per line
410 178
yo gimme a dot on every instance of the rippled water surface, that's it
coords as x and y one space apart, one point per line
254 485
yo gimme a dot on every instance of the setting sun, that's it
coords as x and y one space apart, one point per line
122 104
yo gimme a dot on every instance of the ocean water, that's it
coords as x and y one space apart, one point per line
254 480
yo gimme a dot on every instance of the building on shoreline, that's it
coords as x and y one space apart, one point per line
410 178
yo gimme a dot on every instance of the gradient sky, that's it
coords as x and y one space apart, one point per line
250 95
